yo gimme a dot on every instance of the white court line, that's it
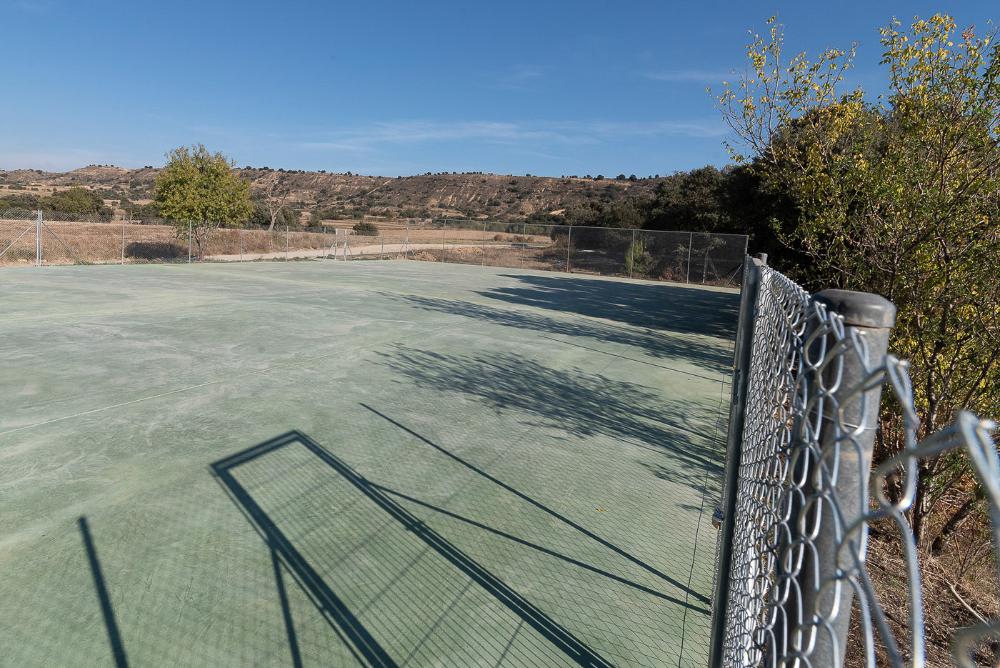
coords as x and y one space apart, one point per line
185 389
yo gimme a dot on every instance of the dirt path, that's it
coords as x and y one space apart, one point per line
338 251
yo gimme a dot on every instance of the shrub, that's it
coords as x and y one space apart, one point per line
366 229
637 258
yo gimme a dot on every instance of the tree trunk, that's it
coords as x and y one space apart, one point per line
955 520
917 512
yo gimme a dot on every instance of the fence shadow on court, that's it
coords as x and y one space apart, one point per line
344 621
562 519
674 308
714 358
103 598
579 403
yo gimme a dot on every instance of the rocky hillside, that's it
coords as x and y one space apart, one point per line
324 196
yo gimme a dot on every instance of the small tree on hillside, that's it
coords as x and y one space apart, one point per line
275 196
200 189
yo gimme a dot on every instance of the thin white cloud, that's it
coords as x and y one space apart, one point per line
501 132
520 76
689 76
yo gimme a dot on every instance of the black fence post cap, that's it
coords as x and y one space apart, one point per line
859 309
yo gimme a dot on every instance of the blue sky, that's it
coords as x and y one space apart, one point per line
399 87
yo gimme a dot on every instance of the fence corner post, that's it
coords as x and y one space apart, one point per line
846 439
742 349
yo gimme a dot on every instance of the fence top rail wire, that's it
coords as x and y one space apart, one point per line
797 527
687 257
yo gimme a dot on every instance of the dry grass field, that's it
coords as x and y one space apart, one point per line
598 252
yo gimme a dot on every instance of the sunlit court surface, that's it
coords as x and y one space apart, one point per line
374 463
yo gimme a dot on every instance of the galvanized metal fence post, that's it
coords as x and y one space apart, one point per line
286 243
849 417
482 259
569 240
189 242
124 222
38 238
726 512
690 244
631 254
524 243
241 244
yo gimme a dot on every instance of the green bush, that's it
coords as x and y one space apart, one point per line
638 261
366 229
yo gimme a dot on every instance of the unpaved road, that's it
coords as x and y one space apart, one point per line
371 249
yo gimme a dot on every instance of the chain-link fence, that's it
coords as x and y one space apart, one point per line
685 257
18 236
800 497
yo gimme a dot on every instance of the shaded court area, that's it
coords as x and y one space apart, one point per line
375 463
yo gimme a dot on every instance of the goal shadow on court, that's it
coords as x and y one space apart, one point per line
351 606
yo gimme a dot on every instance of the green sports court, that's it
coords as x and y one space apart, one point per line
374 462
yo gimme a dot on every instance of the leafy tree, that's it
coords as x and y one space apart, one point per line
691 201
200 188
901 196
261 217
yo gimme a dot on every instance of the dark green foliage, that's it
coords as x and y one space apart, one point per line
366 229
261 217
69 203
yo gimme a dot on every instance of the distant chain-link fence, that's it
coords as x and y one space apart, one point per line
800 496
685 257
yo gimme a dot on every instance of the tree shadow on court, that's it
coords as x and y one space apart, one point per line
674 308
345 622
715 358
580 404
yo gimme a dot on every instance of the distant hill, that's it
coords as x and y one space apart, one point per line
315 196
318 196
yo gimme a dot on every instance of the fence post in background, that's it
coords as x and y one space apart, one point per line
443 256
38 238
381 247
286 243
124 222
524 242
690 244
569 239
726 512
631 254
846 439
189 242
241 244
